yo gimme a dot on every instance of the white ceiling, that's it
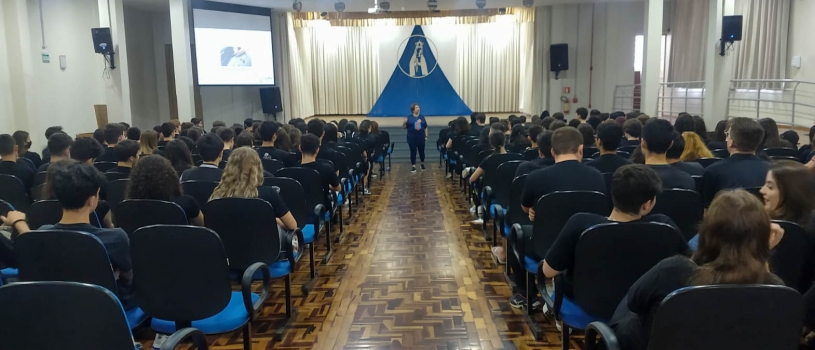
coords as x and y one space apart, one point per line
363 5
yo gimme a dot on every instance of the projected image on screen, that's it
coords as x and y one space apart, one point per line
233 48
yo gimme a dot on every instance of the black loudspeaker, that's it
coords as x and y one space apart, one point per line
102 40
731 28
558 58
270 100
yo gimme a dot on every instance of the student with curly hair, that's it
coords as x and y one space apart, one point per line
154 178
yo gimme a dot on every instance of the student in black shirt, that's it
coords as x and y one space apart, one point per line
127 154
743 169
211 148
76 187
154 178
23 141
227 135
46 154
179 155
310 148
609 136
168 132
657 137
59 145
747 238
267 151
86 149
497 142
633 130
10 164
675 152
112 134
480 120
720 138
243 178
544 153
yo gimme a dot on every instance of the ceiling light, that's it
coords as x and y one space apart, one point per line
529 3
481 3
297 5
339 6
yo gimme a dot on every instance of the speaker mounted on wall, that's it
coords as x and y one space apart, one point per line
558 58
731 32
103 44
270 100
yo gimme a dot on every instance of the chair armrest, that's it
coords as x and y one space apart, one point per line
246 287
319 213
291 240
541 283
197 337
559 282
609 338
499 218
516 240
487 201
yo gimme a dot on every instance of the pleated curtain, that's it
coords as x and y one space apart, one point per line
762 53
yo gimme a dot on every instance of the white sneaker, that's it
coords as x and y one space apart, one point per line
477 222
466 173
548 314
480 211
159 341
472 212
449 176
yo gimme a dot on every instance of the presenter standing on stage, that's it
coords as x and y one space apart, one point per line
416 126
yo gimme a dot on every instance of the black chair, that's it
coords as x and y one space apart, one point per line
793 159
608 259
623 154
76 316
790 256
336 198
706 162
115 175
70 256
272 165
591 152
14 192
197 160
496 187
5 207
698 180
222 165
506 218
39 179
182 278
138 213
116 192
531 154
35 193
105 166
45 213
200 190
782 153
756 191
720 153
684 207
314 195
627 149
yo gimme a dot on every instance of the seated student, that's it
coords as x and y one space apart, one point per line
497 142
747 239
268 133
227 135
168 133
310 149
59 147
480 123
326 134
657 137
76 187
51 130
133 133
518 140
148 144
23 141
633 130
127 154
719 137
743 169
545 157
112 134
243 177
244 139
10 164
772 139
588 136
675 152
154 178
211 149
694 147
532 136
609 136
86 149
178 153
567 174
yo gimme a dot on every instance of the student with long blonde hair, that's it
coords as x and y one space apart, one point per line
694 147
243 178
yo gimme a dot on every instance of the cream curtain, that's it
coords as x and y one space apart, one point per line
293 73
762 53
539 94
688 31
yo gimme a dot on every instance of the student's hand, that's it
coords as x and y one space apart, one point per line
12 217
776 234
811 164
532 214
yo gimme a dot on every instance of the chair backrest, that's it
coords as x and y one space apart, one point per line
5 207
706 162
44 213
200 190
491 164
611 257
781 152
60 255
720 153
591 152
628 149
554 209
197 160
272 165
516 214
39 179
794 159
247 229
789 257
698 180
62 315
624 154
35 193
684 207
14 192
499 181
105 166
477 159
531 154
311 182
293 194
133 214
728 316
180 273
113 176
116 194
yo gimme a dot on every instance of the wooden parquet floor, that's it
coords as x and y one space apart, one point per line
410 274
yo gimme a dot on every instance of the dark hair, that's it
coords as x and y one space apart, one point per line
167 129
746 133
676 150
21 138
559 116
226 134
282 141
636 156
604 116
209 147
574 123
594 112
792 137
610 135
7 144
52 130
547 122
733 249
189 142
494 120
133 133
588 135
594 121
58 143
658 135
158 129
330 134
153 177
633 127
126 149
499 126
245 139
545 143
74 182
195 133
473 115
557 124
413 106
522 119
582 113
632 185
771 135
484 136
534 131
218 124
633 114
268 130
186 126
684 123
566 140
462 126
481 117
700 128
248 122
195 121
796 190
316 127
112 133
178 153
365 127
518 135
86 148
497 140
309 144
721 127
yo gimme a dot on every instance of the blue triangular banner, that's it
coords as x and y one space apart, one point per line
418 79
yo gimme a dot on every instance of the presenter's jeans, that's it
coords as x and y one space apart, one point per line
416 145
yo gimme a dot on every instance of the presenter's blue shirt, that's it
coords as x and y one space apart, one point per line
416 126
